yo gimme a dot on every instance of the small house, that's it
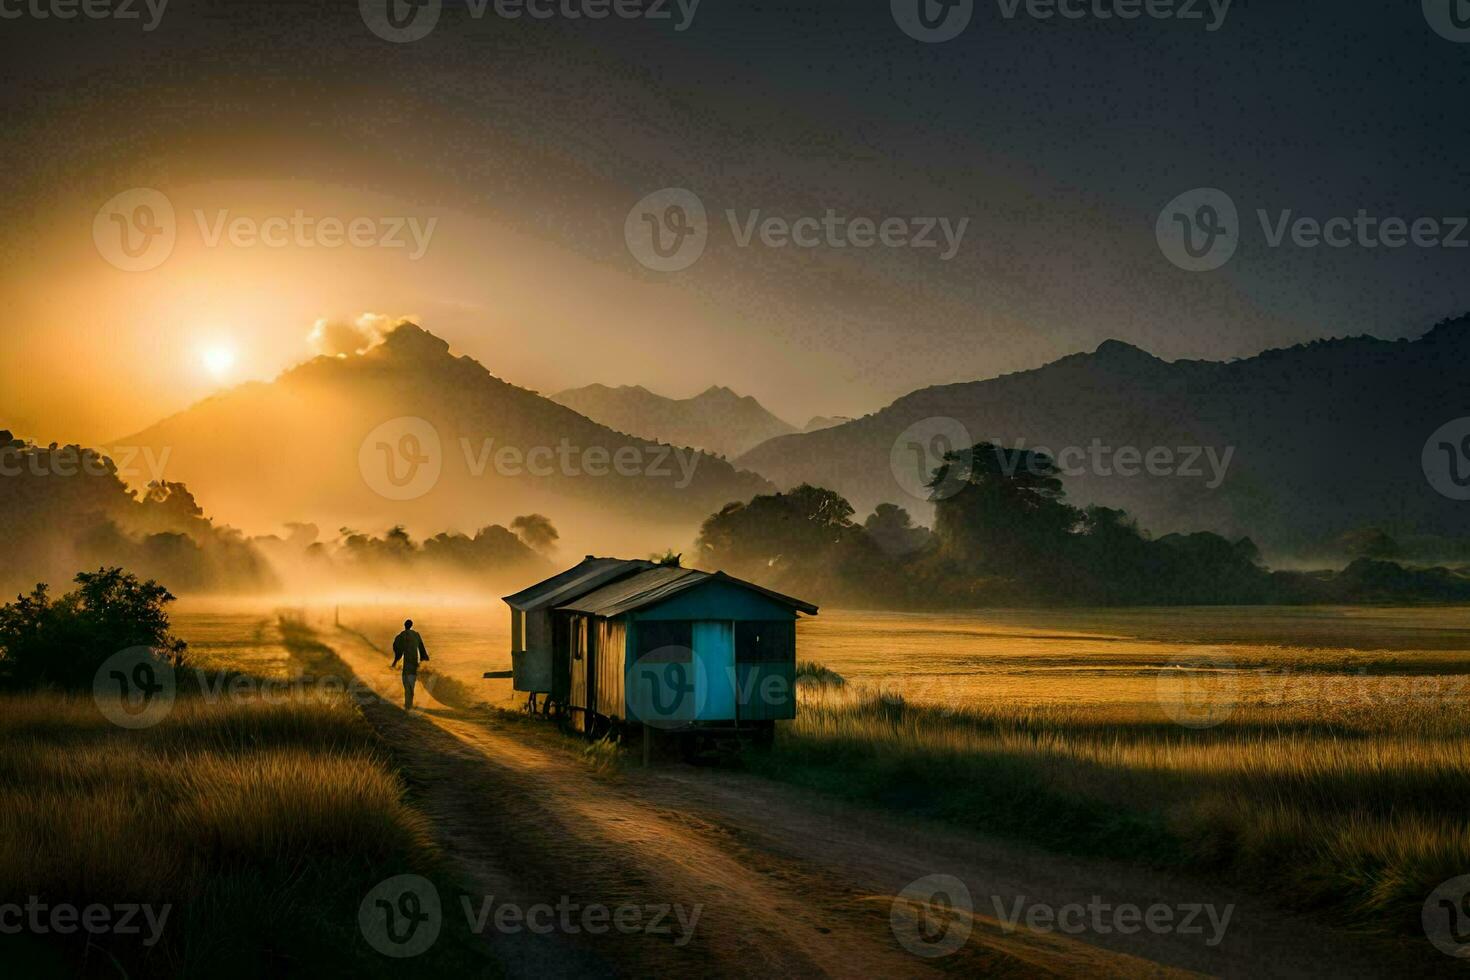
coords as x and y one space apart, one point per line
658 646
531 616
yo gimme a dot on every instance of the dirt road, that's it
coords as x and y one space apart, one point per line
789 883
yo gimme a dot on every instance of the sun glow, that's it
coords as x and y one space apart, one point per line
218 361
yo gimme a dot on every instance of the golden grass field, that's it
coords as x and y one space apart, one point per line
260 817
1320 754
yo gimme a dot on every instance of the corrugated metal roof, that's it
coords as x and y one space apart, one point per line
636 591
654 586
592 573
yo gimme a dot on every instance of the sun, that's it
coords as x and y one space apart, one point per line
218 361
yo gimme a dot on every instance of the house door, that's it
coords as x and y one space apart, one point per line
714 656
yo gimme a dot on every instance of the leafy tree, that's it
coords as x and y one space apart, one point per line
999 509
894 531
64 642
776 531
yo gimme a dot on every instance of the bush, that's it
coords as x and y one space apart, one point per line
63 643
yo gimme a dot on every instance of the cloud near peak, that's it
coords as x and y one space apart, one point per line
341 338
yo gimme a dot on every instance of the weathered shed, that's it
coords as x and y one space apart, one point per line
677 649
531 627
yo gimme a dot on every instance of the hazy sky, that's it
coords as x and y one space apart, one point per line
528 142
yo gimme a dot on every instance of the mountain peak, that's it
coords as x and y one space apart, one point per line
1117 350
409 341
718 392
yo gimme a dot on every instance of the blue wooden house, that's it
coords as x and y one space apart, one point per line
663 647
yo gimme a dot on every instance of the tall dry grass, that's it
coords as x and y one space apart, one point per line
261 822
1357 808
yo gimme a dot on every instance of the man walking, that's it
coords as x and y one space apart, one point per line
408 646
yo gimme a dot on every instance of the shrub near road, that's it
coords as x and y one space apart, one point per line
244 829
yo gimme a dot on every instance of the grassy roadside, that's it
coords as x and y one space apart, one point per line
1357 813
260 818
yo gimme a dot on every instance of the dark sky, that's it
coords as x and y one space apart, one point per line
1060 140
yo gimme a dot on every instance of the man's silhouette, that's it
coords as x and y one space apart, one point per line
408 646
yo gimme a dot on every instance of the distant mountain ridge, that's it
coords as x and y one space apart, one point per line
717 420
299 449
1323 437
